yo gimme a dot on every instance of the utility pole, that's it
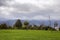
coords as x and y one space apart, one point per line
49 21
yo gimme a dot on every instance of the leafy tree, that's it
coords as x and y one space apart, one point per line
10 27
30 27
4 26
41 27
26 23
59 29
35 27
18 24
0 26
48 28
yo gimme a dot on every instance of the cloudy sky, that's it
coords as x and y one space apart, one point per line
30 9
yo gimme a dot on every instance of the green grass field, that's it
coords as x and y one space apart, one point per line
29 35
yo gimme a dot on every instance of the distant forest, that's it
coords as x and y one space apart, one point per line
26 26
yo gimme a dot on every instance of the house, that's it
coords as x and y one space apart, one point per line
57 28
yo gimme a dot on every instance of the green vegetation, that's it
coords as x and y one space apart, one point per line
29 35
18 24
27 26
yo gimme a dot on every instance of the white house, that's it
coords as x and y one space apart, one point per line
57 28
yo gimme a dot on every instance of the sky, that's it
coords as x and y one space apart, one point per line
30 9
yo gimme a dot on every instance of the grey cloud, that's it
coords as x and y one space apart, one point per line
25 7
4 2
32 10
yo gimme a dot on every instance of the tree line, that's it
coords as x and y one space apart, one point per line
26 26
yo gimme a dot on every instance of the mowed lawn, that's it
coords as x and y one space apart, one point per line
29 35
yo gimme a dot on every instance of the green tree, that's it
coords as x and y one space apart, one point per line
18 24
30 27
3 26
41 27
10 27
0 26
26 23
35 27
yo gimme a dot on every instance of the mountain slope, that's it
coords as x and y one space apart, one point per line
36 22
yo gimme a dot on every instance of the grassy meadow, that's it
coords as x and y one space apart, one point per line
29 35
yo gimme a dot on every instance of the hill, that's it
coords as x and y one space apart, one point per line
36 22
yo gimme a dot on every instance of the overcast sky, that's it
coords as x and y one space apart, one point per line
30 9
